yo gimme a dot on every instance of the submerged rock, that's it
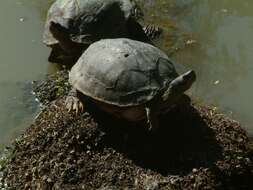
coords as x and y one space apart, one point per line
196 148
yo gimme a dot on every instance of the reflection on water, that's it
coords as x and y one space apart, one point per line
23 59
223 54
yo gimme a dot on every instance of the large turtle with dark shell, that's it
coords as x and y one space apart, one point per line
127 78
72 25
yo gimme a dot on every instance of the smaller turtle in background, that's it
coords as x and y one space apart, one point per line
72 25
128 79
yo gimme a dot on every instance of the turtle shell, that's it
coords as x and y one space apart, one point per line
122 72
89 20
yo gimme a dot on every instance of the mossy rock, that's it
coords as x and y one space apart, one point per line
196 148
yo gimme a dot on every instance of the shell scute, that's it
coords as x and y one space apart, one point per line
105 73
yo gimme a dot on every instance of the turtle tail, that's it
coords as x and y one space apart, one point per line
179 85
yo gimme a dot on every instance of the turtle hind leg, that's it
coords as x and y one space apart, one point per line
152 118
136 31
152 32
73 103
146 34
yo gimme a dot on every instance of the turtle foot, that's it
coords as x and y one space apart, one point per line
152 32
74 104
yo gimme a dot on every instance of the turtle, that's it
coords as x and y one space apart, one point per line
72 25
129 79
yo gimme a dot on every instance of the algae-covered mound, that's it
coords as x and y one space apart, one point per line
195 148
53 87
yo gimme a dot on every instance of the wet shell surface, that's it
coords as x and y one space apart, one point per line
122 72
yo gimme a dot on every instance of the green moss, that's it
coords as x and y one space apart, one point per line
53 87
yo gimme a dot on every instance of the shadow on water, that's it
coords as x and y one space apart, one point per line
183 142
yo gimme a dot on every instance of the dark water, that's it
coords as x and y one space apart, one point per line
23 59
222 55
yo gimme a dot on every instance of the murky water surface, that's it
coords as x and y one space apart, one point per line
23 59
222 54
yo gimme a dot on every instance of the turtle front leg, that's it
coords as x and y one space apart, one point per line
146 34
73 103
152 118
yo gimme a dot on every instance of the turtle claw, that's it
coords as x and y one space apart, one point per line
152 32
74 104
78 107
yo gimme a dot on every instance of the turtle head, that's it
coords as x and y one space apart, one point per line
173 94
58 31
182 82
179 85
71 50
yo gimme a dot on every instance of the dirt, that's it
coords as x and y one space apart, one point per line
194 148
52 87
